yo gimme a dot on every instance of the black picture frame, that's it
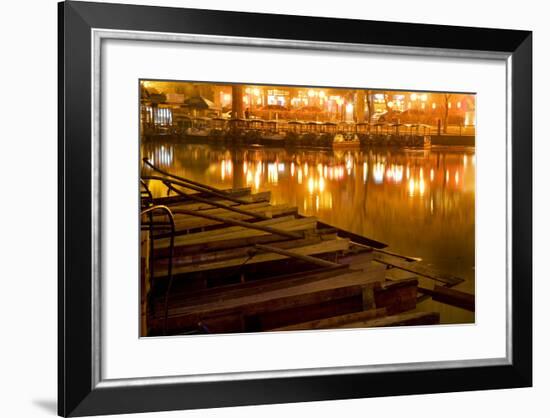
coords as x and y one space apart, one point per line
79 395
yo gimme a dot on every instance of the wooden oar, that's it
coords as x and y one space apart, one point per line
201 189
236 222
216 204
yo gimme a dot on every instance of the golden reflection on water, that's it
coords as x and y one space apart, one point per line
421 203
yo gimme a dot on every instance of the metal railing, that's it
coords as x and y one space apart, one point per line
157 230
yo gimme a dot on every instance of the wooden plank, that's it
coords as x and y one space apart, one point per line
286 223
243 251
236 222
264 303
319 248
176 199
355 237
335 321
209 191
417 269
295 254
212 209
192 223
235 242
220 211
405 319
451 297
252 287
397 296
267 300
248 198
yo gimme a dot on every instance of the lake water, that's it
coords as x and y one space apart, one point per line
421 203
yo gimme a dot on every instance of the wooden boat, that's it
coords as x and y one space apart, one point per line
222 261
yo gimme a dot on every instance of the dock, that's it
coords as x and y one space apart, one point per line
298 133
229 261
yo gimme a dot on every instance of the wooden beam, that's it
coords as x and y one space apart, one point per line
417 269
252 287
187 223
335 321
414 318
359 239
268 302
255 257
294 254
243 251
261 301
236 222
178 200
451 297
285 223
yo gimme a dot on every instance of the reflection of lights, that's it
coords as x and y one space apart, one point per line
397 173
245 167
349 163
340 172
281 167
408 172
300 175
432 174
306 169
292 169
421 187
431 205
321 184
317 202
447 176
378 173
320 169
325 171
434 105
365 172
272 173
311 185
421 173
413 97
226 168
456 177
411 187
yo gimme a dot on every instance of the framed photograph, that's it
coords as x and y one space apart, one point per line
265 208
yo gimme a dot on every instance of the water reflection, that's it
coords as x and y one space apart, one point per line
420 202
